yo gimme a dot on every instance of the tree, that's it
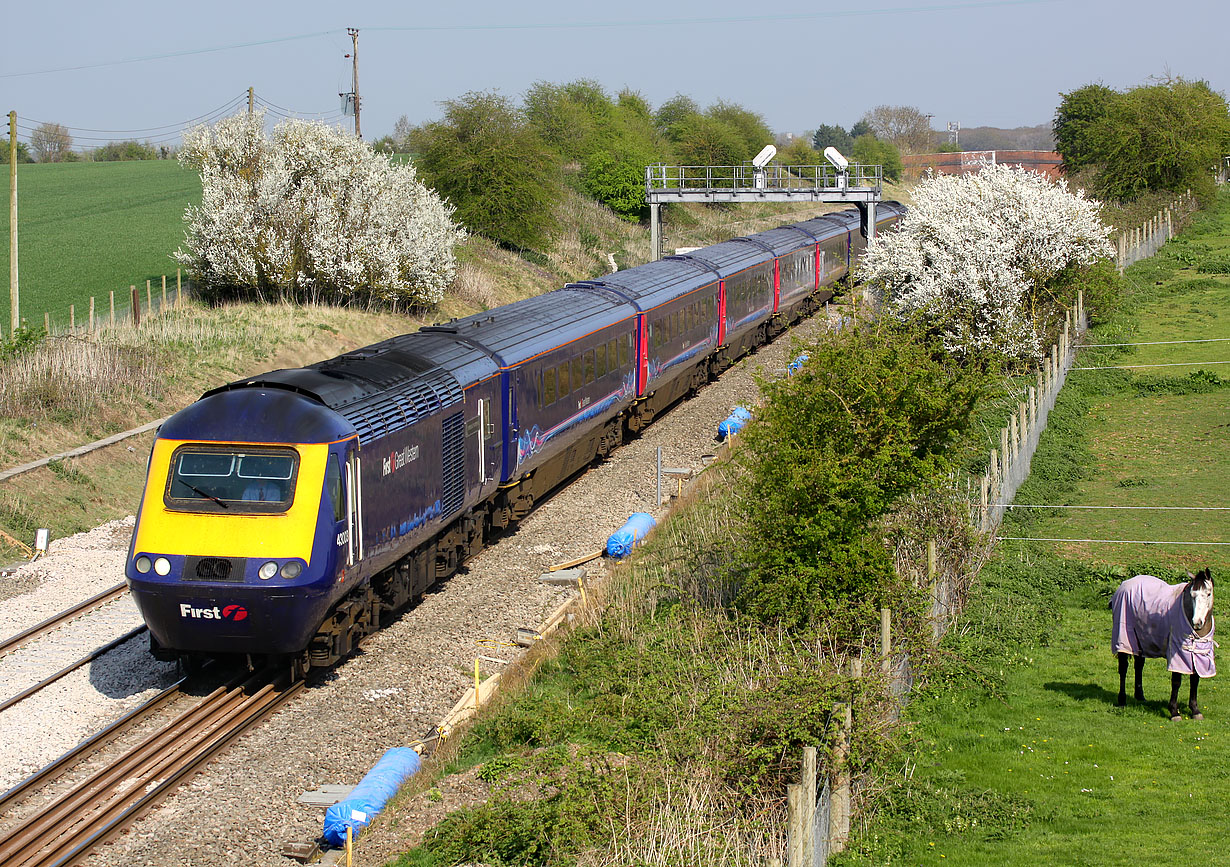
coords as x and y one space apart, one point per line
799 153
51 142
23 152
401 134
903 125
614 172
672 116
313 212
485 159
833 136
1078 122
120 151
746 125
860 129
980 257
706 141
870 151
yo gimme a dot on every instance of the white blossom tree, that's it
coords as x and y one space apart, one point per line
310 211
977 255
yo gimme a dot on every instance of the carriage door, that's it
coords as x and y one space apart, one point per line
354 508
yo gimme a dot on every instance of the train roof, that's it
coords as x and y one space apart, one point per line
519 331
646 286
264 415
383 387
785 239
730 257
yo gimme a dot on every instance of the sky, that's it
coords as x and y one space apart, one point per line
123 70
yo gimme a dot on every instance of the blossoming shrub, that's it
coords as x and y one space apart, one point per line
981 256
310 211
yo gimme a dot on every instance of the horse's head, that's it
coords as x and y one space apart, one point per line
1200 590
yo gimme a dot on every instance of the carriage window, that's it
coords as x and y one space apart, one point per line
676 330
548 386
612 353
578 375
588 359
601 357
565 385
625 348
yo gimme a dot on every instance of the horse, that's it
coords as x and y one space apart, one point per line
1153 619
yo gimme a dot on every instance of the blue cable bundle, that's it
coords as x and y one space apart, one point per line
734 422
623 540
368 798
797 365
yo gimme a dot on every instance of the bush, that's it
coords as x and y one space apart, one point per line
312 212
871 151
119 151
870 417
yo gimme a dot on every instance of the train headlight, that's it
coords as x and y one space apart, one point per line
162 566
268 570
292 569
142 564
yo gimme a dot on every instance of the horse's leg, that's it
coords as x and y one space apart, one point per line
1123 667
1173 707
1191 701
1140 671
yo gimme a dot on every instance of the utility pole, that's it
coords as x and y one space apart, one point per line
251 99
14 307
354 55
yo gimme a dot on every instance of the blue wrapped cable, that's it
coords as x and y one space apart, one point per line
368 798
623 540
797 365
734 422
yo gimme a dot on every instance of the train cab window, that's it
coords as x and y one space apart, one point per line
548 386
333 485
564 381
588 359
600 357
225 479
578 373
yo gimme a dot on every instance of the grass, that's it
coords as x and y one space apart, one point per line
1016 754
88 228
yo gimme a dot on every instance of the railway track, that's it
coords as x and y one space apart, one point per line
54 622
66 828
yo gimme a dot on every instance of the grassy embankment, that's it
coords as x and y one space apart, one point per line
87 228
1018 755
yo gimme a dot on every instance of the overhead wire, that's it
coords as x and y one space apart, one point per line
233 103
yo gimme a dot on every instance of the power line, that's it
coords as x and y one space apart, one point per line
552 25
166 126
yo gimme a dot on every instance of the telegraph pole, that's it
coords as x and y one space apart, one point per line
251 99
354 38
14 308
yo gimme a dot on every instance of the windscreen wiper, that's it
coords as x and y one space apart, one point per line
205 494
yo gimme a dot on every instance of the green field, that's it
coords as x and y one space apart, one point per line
1017 753
88 228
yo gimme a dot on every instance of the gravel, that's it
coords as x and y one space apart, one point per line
243 807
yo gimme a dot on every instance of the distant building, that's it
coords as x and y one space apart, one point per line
913 166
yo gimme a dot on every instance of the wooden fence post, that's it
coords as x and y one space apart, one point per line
178 287
839 781
933 571
1004 457
984 488
136 306
794 825
163 309
113 308
886 641
149 300
72 318
808 841
92 323
46 322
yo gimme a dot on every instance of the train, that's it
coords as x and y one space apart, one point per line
286 516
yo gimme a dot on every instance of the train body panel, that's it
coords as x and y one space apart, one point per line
283 512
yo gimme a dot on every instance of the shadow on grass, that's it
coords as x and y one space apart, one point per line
1099 693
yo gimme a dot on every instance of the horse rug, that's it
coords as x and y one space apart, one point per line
1149 620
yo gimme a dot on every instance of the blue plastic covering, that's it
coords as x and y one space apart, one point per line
623 540
734 422
797 364
368 798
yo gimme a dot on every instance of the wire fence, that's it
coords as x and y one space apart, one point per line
1145 240
119 309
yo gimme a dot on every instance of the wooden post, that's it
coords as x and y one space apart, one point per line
1003 456
72 318
163 308
995 477
178 287
92 313
1022 427
809 805
149 300
476 682
933 571
886 641
113 308
984 488
14 286
794 825
1032 421
839 781
1014 438
136 306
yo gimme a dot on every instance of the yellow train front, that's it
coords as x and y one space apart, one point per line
237 541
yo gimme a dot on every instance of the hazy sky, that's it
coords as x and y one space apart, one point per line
140 70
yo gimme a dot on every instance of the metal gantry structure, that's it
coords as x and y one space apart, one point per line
858 184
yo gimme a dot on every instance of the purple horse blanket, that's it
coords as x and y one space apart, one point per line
1149 620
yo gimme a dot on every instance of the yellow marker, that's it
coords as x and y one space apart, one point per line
476 683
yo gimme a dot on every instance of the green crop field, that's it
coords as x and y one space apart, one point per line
88 228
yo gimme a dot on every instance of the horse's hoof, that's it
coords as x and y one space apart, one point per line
1121 701
1175 718
1197 715
1140 696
